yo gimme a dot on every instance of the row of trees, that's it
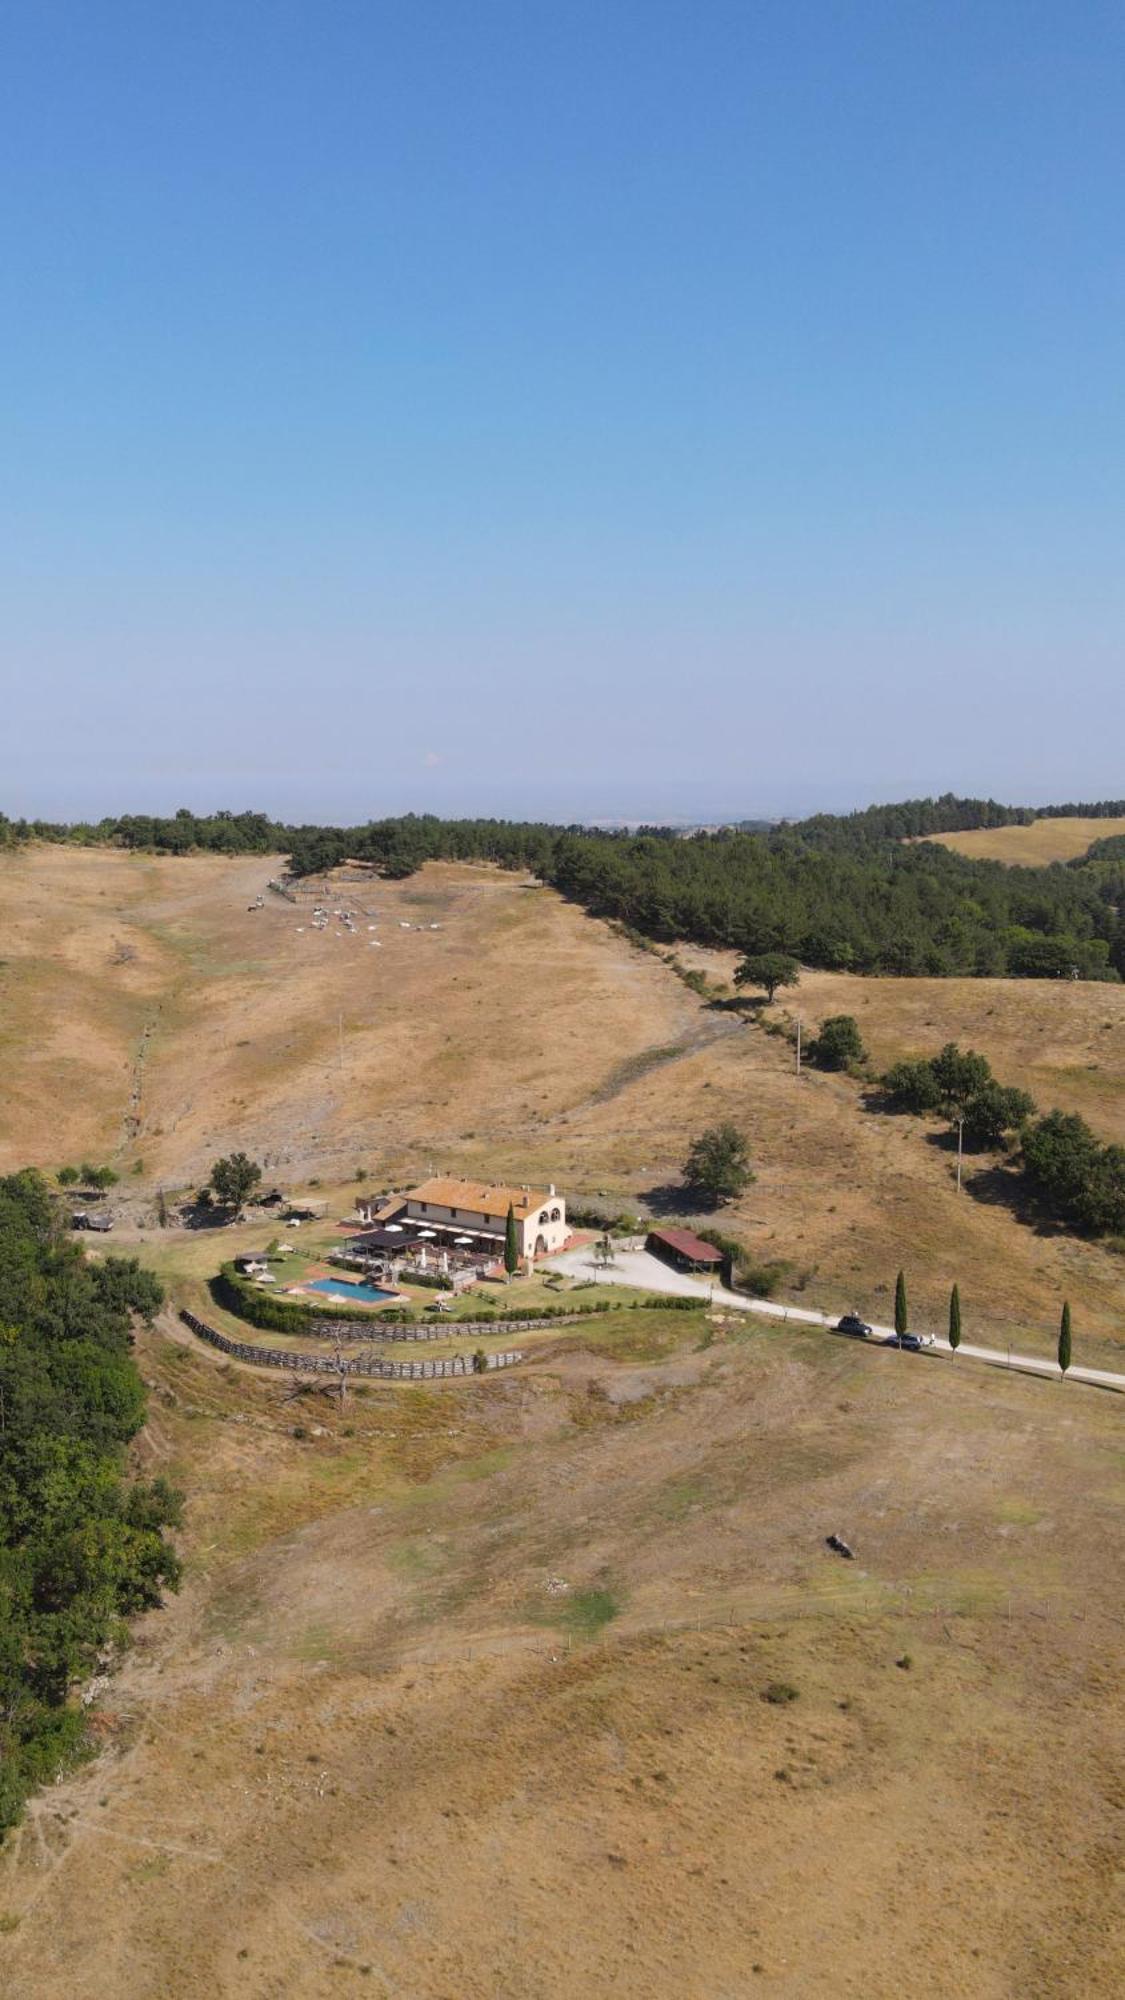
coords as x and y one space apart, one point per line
82 1546
902 1321
86 1176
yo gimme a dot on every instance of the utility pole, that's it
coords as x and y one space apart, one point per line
960 1148
798 1045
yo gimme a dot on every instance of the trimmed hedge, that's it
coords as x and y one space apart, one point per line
237 1295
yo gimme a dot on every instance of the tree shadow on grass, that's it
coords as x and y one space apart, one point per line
999 1184
674 1200
748 1005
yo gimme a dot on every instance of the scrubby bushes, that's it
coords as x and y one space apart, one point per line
1082 1180
960 1085
740 1269
839 1044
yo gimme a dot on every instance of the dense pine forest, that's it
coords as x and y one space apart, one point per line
81 1544
853 892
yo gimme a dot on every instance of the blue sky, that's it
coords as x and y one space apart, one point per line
570 409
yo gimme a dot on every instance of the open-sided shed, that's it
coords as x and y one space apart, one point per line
683 1249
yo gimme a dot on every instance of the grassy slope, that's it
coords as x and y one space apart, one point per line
1033 846
357 1753
370 1749
524 1038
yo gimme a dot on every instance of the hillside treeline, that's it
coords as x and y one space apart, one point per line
851 892
81 1544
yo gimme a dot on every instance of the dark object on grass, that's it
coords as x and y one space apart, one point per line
839 1547
851 1323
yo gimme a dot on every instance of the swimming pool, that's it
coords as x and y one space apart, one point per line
343 1288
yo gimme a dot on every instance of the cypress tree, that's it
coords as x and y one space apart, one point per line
902 1320
1064 1338
511 1244
955 1319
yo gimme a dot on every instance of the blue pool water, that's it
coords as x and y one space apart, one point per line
370 1294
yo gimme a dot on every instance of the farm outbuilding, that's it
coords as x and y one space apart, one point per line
683 1250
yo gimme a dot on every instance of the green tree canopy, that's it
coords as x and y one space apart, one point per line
81 1546
767 969
993 1111
511 1243
960 1074
839 1043
233 1179
902 1317
718 1165
912 1085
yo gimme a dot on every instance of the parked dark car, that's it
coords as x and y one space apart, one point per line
851 1323
908 1340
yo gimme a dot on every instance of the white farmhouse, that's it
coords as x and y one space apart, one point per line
454 1209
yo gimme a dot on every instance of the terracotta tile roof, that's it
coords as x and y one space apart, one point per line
683 1241
479 1198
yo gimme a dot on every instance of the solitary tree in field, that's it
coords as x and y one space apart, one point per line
955 1319
768 969
511 1244
233 1179
902 1318
1064 1338
718 1166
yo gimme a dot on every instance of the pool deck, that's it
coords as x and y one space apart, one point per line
343 1291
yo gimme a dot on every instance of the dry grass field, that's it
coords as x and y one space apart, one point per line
524 1038
546 1685
1033 846
552 1688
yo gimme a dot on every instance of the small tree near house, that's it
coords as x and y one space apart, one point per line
233 1179
718 1166
604 1252
511 1244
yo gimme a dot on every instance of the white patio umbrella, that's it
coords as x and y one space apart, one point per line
463 1239
426 1232
394 1229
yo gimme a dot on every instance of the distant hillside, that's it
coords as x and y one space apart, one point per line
856 892
1031 844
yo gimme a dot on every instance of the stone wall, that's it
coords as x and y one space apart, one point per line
359 1364
430 1329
